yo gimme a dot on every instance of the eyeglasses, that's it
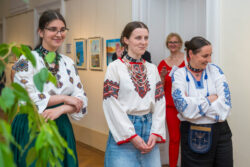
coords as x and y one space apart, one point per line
173 42
54 30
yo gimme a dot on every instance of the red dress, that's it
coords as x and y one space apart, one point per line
171 116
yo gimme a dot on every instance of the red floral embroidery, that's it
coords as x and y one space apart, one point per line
141 83
159 91
110 89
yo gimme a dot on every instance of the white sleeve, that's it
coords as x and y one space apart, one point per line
78 92
158 127
188 107
220 108
119 124
24 76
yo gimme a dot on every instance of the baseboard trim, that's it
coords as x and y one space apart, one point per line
90 137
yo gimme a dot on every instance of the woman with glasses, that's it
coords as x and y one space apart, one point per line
134 104
176 58
55 102
201 95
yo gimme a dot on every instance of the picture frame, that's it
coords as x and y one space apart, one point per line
95 53
80 53
112 45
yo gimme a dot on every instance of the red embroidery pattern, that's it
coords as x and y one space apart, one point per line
110 89
159 91
141 82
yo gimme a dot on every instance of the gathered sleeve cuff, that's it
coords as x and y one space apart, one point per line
24 76
199 105
78 91
220 108
119 124
127 140
158 127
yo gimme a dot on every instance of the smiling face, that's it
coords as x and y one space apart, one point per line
137 42
51 37
202 58
174 44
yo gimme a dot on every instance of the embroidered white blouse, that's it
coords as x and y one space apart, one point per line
68 82
123 96
190 96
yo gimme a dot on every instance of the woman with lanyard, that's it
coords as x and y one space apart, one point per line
55 102
176 58
201 95
134 105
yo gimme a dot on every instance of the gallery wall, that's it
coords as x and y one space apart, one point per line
95 18
235 58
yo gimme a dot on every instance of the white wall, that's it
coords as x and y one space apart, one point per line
90 18
19 28
235 58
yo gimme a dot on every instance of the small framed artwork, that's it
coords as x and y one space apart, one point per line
113 47
80 53
95 53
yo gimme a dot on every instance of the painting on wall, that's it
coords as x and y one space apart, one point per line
112 47
80 53
95 53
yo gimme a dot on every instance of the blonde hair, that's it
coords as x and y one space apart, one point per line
174 35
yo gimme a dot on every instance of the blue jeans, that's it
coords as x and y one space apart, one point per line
126 155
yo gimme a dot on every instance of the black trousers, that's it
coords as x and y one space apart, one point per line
220 154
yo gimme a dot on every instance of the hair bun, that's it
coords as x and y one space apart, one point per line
187 44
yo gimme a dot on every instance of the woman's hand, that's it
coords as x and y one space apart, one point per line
151 141
74 101
51 114
212 98
139 143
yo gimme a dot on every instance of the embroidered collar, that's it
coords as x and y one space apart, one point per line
54 66
194 69
132 59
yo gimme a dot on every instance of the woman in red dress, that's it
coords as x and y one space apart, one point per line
176 58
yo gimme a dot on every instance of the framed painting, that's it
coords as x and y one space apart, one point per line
113 46
95 53
80 53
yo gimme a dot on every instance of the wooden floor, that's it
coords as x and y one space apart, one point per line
90 157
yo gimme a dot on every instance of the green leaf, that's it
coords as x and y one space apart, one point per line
31 156
43 74
50 57
52 79
8 96
16 51
38 82
28 54
39 141
4 45
2 68
6 156
3 105
20 92
3 51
